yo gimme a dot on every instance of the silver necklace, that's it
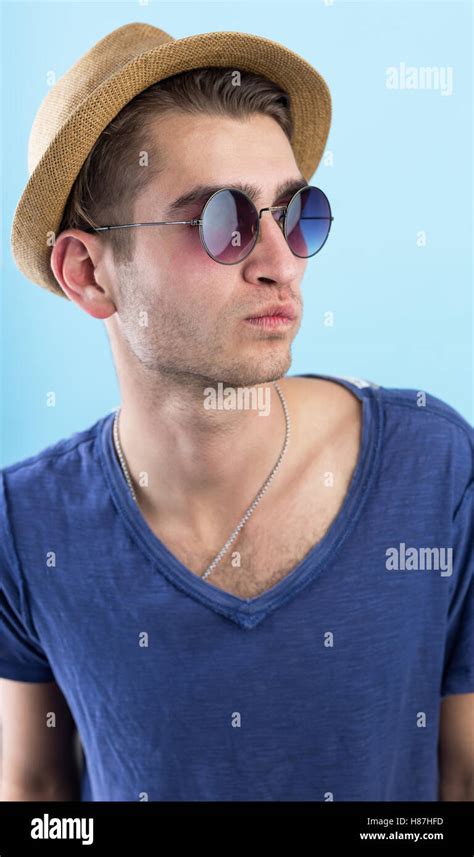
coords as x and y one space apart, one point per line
251 508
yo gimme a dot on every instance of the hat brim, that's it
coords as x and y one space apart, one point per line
40 209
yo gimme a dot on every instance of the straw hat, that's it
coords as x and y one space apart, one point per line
116 69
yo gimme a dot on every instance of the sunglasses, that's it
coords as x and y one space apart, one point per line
229 225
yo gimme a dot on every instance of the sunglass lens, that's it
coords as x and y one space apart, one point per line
308 221
229 226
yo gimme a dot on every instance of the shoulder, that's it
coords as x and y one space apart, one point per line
429 426
421 405
427 446
417 426
417 410
64 464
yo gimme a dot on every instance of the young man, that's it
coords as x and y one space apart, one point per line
225 606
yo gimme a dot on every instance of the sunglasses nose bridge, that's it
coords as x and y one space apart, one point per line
272 208
279 222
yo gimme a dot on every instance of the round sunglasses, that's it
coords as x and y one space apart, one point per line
229 225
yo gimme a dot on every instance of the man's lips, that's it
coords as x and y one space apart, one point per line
284 311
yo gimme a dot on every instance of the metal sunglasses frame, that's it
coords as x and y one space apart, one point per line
199 221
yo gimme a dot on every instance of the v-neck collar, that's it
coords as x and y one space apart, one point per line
248 612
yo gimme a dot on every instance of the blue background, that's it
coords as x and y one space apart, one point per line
402 163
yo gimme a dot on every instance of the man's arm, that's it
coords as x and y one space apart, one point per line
456 748
39 762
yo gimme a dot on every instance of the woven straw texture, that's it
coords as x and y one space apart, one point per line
88 96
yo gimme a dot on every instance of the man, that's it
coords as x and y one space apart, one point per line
227 607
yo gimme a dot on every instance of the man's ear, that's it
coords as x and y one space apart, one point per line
79 262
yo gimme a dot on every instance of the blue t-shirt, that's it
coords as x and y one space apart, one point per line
325 687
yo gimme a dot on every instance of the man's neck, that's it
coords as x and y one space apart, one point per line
189 462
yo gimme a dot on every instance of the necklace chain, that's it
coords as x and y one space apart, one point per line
254 503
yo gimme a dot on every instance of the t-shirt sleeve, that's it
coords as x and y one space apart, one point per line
458 672
21 655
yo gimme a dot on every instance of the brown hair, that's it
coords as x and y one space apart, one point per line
110 179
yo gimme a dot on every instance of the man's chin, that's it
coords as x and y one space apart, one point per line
251 373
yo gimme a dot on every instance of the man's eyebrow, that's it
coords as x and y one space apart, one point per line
201 193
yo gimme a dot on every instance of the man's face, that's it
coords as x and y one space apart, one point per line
182 312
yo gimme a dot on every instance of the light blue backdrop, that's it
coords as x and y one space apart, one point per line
401 164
